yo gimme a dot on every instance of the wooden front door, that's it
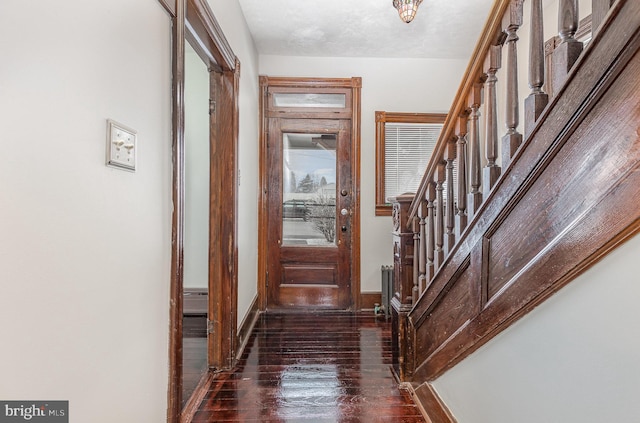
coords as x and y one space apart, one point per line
309 213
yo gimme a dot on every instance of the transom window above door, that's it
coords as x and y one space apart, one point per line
310 100
404 143
295 100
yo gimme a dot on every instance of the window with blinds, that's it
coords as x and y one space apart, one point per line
407 150
404 144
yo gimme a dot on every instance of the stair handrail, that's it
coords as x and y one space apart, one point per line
490 33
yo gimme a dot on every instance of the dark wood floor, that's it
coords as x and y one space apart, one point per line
194 353
331 367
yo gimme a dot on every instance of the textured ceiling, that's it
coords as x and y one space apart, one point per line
445 29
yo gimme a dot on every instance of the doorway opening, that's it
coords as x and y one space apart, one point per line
216 269
196 243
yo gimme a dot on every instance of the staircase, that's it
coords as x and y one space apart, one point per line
529 211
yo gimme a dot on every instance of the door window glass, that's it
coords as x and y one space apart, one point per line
308 189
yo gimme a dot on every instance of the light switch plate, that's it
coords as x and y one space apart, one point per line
122 146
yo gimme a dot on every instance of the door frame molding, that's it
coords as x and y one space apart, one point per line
355 85
194 20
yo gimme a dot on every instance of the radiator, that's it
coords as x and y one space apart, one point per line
387 290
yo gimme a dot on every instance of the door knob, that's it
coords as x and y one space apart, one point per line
344 192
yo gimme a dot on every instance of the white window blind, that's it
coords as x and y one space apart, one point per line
407 151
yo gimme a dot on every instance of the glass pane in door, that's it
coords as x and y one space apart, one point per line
309 190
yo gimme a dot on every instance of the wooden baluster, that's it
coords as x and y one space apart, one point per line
440 177
491 170
431 196
450 237
599 9
565 54
461 160
417 255
538 99
512 139
422 271
475 174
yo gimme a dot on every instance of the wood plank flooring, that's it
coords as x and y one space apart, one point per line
194 353
312 367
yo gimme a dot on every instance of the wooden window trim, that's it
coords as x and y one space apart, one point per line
382 207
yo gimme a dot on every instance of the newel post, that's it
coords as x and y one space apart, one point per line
404 259
403 248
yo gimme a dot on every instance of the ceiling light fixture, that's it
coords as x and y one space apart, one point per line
407 9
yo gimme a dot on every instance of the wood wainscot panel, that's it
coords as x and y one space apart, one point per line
451 301
557 202
450 310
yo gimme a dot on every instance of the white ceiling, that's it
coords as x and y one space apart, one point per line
445 29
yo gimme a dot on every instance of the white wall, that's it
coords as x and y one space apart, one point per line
573 359
395 85
85 251
196 197
231 20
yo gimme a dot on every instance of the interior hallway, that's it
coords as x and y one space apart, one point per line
329 367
